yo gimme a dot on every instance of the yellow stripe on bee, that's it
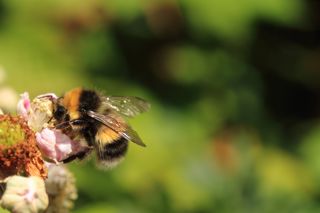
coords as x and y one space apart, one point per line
106 135
71 102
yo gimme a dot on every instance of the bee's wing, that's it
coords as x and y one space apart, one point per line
128 133
109 121
128 106
133 136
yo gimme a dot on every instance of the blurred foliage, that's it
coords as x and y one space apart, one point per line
234 88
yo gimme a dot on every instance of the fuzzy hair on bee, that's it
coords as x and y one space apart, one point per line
99 120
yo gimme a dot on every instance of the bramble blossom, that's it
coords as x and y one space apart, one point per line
53 144
29 143
19 154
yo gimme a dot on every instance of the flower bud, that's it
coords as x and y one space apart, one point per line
61 189
24 194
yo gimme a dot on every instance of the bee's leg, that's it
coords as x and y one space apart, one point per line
80 155
63 125
73 157
50 119
77 122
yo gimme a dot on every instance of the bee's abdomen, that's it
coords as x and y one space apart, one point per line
115 151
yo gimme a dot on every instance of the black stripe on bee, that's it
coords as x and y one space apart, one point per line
115 150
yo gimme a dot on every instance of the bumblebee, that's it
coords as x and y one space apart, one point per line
99 120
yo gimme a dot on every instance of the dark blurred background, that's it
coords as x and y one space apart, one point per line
234 88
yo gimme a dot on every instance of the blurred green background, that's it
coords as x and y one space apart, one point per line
234 87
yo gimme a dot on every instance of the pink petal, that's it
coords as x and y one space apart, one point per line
30 194
55 145
23 105
63 145
46 141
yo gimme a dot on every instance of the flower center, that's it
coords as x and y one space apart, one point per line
11 131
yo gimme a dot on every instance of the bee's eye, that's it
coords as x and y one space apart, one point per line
83 111
60 112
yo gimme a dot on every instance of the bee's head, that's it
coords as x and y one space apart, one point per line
60 113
